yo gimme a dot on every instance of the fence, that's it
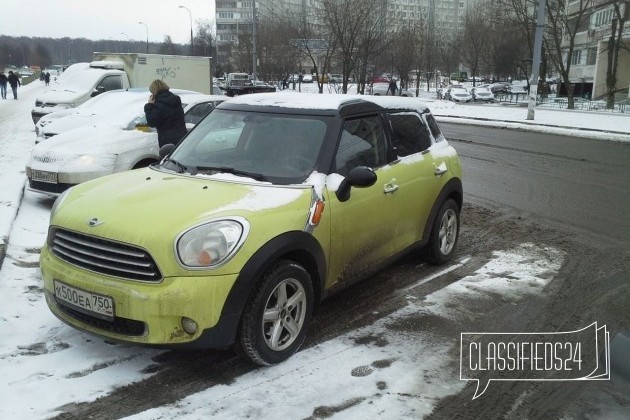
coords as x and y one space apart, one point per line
561 102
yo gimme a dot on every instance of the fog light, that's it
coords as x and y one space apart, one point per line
189 325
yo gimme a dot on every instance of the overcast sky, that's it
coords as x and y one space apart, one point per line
105 19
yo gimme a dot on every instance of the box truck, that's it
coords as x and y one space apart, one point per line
109 71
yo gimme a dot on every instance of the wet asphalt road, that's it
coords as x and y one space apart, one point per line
580 184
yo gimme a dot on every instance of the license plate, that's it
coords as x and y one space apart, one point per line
87 302
43 176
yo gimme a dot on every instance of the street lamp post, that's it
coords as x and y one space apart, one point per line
147 28
128 40
191 28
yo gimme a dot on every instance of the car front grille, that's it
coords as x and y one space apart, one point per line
47 158
104 256
119 325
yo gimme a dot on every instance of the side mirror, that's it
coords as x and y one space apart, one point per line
97 91
166 150
359 177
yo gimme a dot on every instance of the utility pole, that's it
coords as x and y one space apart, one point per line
254 30
538 39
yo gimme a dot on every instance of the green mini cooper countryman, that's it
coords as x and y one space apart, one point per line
267 206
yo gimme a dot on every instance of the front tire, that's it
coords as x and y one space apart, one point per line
277 315
444 234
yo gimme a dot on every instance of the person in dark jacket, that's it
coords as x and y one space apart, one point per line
3 84
14 81
164 111
392 87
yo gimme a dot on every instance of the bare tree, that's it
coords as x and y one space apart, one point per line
345 20
372 43
474 39
204 41
565 21
614 44
512 40
447 50
168 47
316 44
404 47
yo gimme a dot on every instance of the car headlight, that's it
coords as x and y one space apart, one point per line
89 161
57 203
211 244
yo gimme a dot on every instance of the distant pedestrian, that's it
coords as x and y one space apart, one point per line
3 84
14 81
392 87
47 78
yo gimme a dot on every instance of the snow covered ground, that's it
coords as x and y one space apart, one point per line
46 364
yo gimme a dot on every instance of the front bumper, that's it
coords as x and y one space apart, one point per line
144 312
65 180
40 112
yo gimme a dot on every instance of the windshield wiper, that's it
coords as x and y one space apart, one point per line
234 171
181 167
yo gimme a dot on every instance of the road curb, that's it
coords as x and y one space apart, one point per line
536 124
5 236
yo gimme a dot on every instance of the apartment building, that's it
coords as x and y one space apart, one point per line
234 17
589 61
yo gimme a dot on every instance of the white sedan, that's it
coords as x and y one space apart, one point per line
482 94
88 145
458 94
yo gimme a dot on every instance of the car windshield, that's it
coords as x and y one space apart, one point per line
278 148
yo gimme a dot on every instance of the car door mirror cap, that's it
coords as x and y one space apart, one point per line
166 150
360 177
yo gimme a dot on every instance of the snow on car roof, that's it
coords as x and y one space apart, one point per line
317 101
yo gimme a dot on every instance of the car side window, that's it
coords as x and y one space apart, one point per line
362 143
111 82
409 133
435 129
198 112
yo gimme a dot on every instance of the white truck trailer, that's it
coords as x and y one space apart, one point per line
109 71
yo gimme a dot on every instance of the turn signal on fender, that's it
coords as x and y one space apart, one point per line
316 212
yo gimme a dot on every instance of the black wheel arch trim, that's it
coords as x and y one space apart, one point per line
452 189
298 246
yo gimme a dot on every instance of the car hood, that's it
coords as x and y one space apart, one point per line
68 122
151 208
96 140
59 96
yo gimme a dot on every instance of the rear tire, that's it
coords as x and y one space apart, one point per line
277 314
444 234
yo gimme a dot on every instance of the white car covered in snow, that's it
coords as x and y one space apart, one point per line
482 94
108 136
113 106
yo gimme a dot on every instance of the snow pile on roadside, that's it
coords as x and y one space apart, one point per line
509 277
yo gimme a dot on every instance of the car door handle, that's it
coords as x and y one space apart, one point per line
390 187
441 169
